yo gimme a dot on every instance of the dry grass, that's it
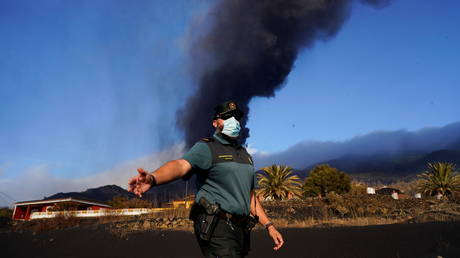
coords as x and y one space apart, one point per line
122 229
351 207
174 219
112 219
58 222
333 222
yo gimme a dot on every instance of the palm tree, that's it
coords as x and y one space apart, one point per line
440 178
278 183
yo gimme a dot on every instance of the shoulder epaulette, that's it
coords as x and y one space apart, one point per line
209 139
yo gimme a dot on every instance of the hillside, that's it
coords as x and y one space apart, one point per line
102 194
157 195
404 165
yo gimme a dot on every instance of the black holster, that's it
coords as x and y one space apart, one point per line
207 215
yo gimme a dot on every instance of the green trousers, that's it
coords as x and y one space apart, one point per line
227 241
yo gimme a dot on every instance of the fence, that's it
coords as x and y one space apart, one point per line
97 213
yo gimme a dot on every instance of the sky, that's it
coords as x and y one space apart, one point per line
89 90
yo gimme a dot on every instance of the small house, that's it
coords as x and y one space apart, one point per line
23 210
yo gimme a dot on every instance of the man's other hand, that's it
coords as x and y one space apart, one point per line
140 183
277 237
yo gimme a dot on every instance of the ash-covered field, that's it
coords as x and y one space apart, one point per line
397 240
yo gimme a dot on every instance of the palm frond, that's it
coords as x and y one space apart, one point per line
278 182
440 178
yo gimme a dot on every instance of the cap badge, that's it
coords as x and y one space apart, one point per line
232 106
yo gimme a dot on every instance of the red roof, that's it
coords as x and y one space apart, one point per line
70 199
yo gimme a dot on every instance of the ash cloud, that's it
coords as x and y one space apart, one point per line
243 49
399 142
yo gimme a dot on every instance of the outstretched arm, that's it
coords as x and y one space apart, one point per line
258 209
170 171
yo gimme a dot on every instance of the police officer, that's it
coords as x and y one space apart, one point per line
225 206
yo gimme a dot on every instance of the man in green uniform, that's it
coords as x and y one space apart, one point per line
225 207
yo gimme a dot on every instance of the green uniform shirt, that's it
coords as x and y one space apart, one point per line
225 174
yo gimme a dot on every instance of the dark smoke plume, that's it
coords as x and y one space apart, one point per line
246 48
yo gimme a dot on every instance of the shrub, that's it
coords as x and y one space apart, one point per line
323 179
358 188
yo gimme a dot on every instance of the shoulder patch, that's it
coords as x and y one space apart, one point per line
210 139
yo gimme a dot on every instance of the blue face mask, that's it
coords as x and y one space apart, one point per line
231 127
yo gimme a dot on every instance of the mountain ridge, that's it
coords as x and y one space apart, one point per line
157 195
391 166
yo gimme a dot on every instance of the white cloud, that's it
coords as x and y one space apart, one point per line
121 173
253 151
32 184
37 182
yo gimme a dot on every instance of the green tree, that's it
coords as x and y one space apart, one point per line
440 178
324 179
278 182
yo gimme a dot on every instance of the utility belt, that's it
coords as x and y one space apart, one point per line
208 214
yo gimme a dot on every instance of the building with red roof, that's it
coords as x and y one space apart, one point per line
24 210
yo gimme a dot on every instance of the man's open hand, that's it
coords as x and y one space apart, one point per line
140 183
